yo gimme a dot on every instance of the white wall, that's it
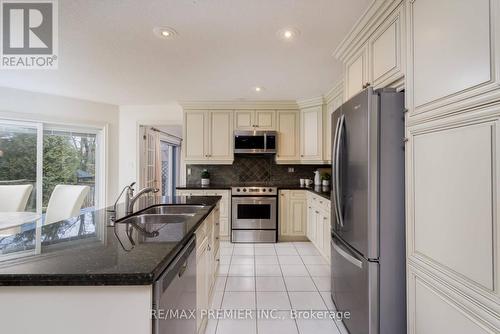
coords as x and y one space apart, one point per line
131 117
26 105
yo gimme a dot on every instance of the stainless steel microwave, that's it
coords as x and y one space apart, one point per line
255 142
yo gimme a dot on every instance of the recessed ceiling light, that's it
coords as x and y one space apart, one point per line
258 89
288 33
165 32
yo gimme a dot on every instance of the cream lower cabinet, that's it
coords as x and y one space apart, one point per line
304 215
207 260
208 137
319 223
225 206
292 215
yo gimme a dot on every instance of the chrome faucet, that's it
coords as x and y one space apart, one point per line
130 199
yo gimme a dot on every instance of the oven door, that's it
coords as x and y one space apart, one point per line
355 288
254 213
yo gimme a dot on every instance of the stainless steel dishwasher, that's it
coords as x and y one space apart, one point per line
174 294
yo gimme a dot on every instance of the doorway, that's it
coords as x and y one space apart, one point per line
160 160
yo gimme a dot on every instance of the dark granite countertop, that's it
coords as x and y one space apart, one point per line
87 250
319 190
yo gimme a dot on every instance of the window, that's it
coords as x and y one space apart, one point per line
69 157
43 156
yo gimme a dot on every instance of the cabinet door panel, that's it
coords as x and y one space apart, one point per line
265 119
453 181
386 50
284 196
356 73
297 216
288 135
244 119
450 57
326 236
221 135
195 134
311 134
435 313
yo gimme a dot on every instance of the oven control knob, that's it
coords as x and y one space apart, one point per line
263 190
270 190
244 190
238 190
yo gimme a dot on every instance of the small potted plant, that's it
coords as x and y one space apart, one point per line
325 177
205 178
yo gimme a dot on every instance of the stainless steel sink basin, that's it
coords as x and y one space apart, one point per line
145 218
188 210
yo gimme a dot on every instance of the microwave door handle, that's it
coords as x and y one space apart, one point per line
338 197
334 186
346 255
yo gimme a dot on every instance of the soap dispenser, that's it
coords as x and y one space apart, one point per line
317 178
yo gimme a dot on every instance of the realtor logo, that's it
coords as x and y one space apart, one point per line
28 34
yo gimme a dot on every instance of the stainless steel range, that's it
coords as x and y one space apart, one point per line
254 214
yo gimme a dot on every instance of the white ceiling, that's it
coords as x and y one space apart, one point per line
108 51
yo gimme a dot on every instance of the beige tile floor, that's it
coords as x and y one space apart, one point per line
281 277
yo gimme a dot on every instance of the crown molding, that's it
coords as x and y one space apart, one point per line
334 92
364 26
312 102
238 104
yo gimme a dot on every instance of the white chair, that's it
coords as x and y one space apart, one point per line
14 198
65 202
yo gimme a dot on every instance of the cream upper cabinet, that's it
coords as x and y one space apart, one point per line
265 119
386 50
221 136
196 135
356 72
288 127
208 136
244 119
373 53
255 120
311 134
457 67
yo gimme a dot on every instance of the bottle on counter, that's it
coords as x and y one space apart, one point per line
317 178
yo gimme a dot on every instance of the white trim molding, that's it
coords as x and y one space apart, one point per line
239 105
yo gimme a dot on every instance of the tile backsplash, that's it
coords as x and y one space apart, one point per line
248 169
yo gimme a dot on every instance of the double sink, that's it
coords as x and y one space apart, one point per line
164 214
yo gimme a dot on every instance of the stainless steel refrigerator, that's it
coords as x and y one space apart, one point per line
368 212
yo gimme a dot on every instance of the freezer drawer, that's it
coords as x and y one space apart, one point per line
355 288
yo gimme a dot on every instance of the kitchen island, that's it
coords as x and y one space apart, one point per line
91 275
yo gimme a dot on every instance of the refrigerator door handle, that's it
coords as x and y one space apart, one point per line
338 196
346 255
334 153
